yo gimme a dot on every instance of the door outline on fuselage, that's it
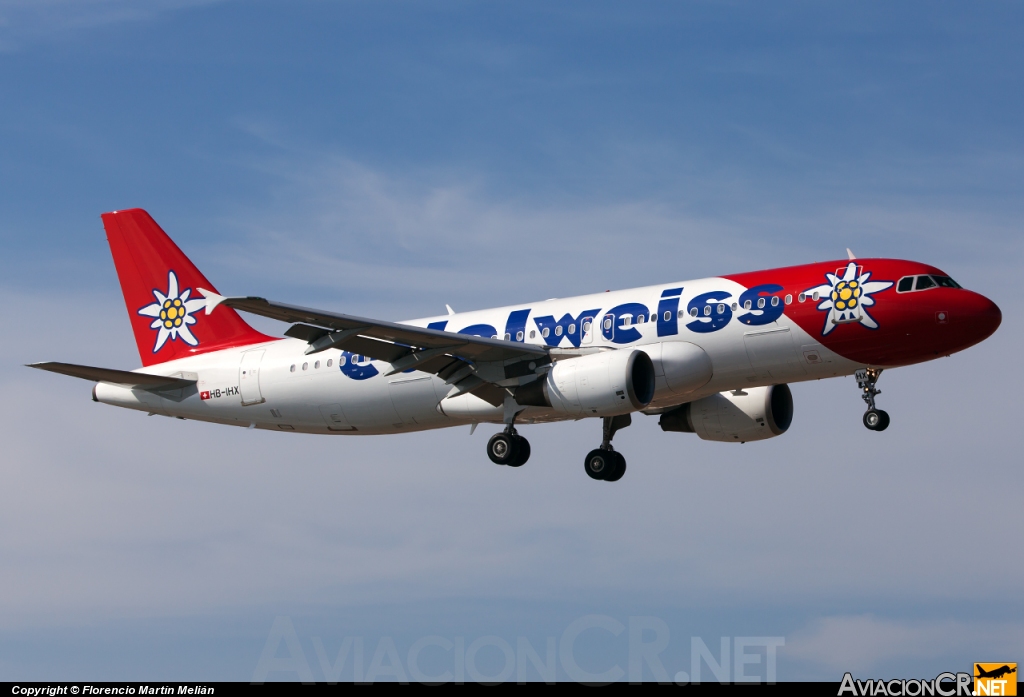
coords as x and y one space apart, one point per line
249 377
608 327
849 316
587 335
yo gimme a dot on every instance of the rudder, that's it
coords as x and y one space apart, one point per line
161 292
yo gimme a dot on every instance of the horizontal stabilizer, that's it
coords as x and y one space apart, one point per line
116 377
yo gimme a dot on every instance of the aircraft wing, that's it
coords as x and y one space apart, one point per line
481 365
116 377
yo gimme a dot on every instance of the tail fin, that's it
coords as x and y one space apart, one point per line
161 290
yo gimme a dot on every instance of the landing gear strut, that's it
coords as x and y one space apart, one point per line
874 419
605 463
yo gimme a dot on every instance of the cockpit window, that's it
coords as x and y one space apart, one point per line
906 283
924 282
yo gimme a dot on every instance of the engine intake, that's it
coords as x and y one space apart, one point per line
755 413
599 384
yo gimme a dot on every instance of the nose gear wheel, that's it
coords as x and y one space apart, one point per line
874 419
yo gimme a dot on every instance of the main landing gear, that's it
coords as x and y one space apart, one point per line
605 463
508 448
874 419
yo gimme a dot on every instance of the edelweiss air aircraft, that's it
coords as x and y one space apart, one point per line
711 356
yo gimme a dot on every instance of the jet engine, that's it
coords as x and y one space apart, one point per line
755 413
599 384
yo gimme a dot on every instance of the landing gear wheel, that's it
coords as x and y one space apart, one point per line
503 448
523 447
620 468
600 463
876 419
885 420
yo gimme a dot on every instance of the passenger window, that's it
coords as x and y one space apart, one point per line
558 330
760 303
747 305
330 362
925 282
815 296
519 336
654 317
545 332
533 334
693 312
585 326
292 369
640 319
775 301
316 366
572 328
721 309
681 314
668 315
627 320
607 324
801 297
305 365
735 306
341 362
707 310
906 284
508 336
789 299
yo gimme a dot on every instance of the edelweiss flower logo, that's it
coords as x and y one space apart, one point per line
847 298
173 314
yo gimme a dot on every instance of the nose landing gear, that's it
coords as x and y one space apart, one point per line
874 419
604 463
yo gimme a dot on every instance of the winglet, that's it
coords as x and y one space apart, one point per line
212 299
850 254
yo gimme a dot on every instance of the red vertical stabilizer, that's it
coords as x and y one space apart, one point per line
161 290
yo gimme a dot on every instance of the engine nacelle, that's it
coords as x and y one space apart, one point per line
679 368
599 384
755 413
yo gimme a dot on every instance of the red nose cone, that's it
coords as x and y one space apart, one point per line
981 317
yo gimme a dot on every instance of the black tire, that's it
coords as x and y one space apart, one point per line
619 470
523 447
502 449
600 463
884 423
872 419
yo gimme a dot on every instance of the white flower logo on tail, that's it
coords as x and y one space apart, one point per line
172 314
847 298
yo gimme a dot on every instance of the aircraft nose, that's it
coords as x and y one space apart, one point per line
981 315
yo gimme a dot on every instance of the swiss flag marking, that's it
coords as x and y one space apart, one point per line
204 395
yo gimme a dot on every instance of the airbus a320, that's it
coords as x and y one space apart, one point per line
712 356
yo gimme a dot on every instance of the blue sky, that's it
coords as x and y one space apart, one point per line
387 158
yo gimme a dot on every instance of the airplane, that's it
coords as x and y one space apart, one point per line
713 356
996 673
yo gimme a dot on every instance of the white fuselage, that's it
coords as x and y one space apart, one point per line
276 386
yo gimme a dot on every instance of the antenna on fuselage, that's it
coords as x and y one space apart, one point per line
850 254
449 308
